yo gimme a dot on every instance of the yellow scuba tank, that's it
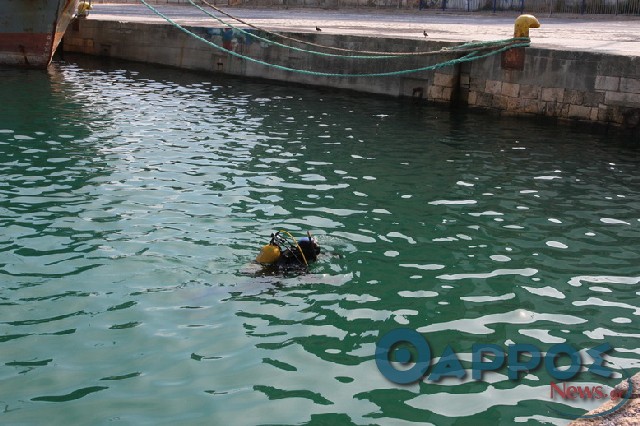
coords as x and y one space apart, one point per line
269 254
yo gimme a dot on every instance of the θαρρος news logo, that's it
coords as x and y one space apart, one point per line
520 358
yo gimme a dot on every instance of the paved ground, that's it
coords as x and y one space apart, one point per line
619 35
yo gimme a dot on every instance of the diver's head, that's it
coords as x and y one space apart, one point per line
310 248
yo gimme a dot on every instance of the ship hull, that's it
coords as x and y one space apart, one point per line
31 30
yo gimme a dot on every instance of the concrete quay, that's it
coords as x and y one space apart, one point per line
612 35
576 69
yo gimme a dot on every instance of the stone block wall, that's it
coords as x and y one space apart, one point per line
442 87
579 86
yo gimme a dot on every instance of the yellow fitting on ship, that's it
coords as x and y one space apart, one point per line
83 8
522 25
269 254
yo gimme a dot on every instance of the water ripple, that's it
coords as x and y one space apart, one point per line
134 199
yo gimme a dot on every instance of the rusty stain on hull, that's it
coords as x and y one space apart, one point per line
31 31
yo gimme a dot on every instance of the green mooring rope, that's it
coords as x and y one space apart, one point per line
312 52
466 58
266 40
467 47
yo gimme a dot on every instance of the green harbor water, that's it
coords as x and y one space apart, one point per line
133 200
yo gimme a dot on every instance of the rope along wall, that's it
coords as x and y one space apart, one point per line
467 47
471 56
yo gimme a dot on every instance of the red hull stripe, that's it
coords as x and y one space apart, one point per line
26 48
31 43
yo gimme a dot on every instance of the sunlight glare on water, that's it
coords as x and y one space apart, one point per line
134 199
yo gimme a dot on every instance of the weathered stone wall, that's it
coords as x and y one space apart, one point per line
567 85
541 6
148 1
581 86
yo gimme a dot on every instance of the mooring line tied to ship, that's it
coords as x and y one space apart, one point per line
469 51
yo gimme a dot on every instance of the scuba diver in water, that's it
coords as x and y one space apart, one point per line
282 255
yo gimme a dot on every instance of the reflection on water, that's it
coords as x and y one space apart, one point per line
133 200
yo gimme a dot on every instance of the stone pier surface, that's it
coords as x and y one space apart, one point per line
577 68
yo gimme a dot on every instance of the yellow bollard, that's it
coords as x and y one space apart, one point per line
522 25
513 59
